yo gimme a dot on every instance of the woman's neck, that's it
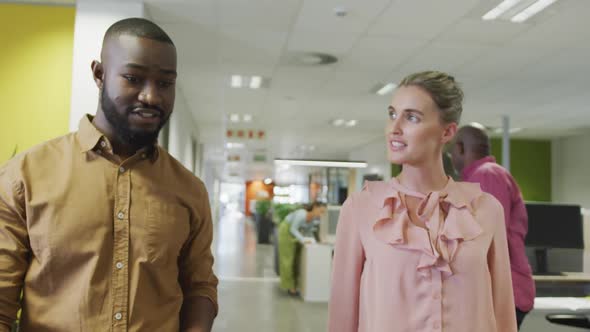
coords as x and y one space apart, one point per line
423 179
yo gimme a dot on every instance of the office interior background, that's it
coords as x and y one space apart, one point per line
262 82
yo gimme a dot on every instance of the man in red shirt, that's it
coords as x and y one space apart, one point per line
471 157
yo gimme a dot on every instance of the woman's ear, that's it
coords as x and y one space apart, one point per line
449 132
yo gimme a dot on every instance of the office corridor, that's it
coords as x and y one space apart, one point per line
249 295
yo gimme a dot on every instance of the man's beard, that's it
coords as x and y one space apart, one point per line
122 128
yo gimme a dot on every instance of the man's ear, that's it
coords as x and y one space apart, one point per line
97 73
449 132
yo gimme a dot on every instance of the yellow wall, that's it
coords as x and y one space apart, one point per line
36 49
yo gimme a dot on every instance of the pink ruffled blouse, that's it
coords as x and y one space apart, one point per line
392 275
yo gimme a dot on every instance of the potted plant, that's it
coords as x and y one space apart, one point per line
263 220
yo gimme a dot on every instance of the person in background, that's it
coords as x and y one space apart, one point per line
471 157
102 229
421 252
299 227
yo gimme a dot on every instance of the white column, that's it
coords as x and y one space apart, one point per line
92 20
506 142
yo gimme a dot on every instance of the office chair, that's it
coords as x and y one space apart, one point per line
572 320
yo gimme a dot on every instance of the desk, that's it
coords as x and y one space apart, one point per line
535 321
561 294
571 284
315 272
566 277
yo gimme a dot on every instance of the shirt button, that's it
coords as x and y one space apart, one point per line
99 151
103 144
119 265
121 169
120 215
143 155
118 316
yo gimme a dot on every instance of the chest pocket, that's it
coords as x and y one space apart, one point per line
167 228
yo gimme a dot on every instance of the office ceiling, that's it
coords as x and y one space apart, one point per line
536 72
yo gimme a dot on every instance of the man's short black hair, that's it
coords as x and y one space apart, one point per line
139 27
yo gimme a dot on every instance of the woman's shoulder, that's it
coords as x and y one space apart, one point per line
481 203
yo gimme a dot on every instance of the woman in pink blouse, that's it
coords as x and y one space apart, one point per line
421 252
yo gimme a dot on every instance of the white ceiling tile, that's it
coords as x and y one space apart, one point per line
381 53
194 11
422 19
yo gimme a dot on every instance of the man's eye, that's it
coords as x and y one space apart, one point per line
166 84
131 79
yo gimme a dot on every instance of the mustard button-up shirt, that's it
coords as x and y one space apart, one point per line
99 244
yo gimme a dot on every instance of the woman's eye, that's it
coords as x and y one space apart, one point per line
392 115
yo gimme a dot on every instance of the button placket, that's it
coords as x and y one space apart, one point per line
120 278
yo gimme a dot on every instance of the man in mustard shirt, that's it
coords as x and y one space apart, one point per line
101 229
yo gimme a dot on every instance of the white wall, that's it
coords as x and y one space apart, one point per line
182 131
375 154
92 20
570 168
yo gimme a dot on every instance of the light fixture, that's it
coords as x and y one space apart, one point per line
255 82
500 9
247 118
267 181
511 130
517 11
386 89
307 147
532 10
234 118
321 163
338 122
231 145
236 81
350 123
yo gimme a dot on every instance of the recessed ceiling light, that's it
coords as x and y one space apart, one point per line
321 163
267 181
255 82
247 118
511 130
532 10
351 123
500 9
386 89
234 118
231 145
338 122
236 81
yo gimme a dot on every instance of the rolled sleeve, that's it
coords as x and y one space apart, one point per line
14 247
196 262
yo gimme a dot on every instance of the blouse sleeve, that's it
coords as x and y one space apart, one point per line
349 257
500 274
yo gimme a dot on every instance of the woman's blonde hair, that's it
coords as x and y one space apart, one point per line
443 89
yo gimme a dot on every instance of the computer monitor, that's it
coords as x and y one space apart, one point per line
553 226
328 223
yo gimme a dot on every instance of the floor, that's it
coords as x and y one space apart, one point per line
249 295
